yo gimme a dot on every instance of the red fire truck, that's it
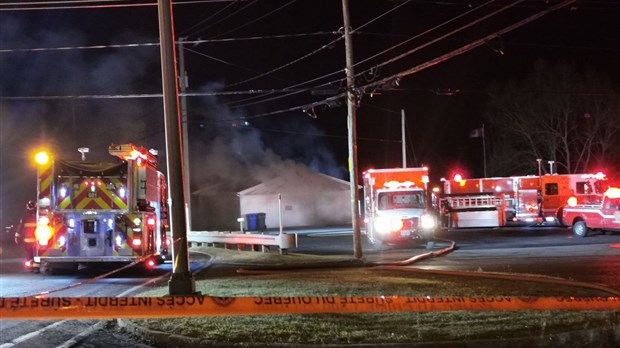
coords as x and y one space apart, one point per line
397 206
491 202
100 212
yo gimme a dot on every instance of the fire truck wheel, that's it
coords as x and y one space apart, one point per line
580 229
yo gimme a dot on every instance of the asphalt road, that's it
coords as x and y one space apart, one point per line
15 281
541 250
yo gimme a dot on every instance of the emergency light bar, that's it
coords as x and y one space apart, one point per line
396 184
132 152
613 192
598 176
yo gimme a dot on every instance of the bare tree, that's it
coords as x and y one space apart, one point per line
556 114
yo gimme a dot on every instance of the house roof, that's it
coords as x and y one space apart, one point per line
297 180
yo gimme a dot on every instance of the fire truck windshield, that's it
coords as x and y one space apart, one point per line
400 200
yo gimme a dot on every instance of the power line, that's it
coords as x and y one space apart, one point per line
207 19
140 95
422 66
468 25
257 19
226 17
44 5
426 32
339 81
329 45
469 47
307 55
146 44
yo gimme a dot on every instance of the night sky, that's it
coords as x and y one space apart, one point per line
103 86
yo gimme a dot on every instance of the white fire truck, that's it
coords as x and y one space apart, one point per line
492 202
397 206
101 212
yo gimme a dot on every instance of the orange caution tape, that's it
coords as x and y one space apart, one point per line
187 306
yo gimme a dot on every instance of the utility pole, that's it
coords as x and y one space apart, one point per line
183 83
484 152
182 281
403 140
352 133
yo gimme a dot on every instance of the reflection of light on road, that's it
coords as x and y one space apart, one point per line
328 234
617 245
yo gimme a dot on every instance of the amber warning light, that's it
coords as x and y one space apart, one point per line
572 201
41 158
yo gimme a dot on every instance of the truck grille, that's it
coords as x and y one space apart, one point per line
410 224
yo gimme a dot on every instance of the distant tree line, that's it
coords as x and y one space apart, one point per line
556 113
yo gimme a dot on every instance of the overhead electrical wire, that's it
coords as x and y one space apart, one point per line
326 100
256 19
341 80
400 56
146 44
224 62
184 32
328 45
307 55
139 95
426 32
226 17
442 37
422 66
211 57
44 5
256 77
469 47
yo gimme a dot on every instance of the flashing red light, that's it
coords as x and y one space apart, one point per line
397 225
136 242
168 242
457 177
150 222
28 264
150 263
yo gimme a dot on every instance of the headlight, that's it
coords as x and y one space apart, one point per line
427 222
387 225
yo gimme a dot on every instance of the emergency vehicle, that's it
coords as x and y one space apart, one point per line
585 217
492 202
397 206
91 213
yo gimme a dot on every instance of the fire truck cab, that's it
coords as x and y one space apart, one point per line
101 212
397 206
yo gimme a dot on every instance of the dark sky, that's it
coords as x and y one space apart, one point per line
291 47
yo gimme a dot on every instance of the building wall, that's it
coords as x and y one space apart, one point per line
319 209
215 212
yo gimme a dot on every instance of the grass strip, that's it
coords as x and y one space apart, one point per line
370 328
